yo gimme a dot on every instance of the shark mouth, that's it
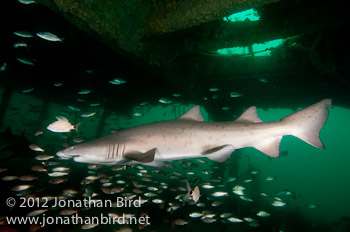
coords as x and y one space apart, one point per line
62 155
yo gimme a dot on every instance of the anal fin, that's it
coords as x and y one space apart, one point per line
270 147
146 157
219 154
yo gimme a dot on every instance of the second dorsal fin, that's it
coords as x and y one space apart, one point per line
250 115
193 114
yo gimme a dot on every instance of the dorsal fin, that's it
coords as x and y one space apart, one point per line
193 114
62 118
250 115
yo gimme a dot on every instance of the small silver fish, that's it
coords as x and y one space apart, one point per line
27 90
165 101
43 157
38 168
58 174
20 44
26 61
36 212
9 178
39 133
74 108
27 2
313 206
24 34
60 169
216 203
88 114
84 91
88 226
62 125
263 80
278 203
3 67
235 94
21 187
35 147
195 215
27 178
195 193
158 201
219 194
150 194
49 36
209 220
151 188
269 178
263 214
58 84
225 215
207 186
68 212
180 222
117 81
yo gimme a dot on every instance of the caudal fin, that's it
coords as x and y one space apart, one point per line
76 127
306 124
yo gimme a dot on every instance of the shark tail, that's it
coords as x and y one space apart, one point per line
306 124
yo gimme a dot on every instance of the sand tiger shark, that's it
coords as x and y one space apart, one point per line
189 136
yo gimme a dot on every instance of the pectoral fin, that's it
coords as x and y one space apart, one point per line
219 154
146 157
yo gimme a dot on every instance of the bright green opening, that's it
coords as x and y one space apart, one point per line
250 14
261 49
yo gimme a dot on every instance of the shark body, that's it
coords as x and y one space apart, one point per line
191 137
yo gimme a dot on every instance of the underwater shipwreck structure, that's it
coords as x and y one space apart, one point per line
179 40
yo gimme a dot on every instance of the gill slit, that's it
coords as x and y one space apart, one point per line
108 152
113 148
117 152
